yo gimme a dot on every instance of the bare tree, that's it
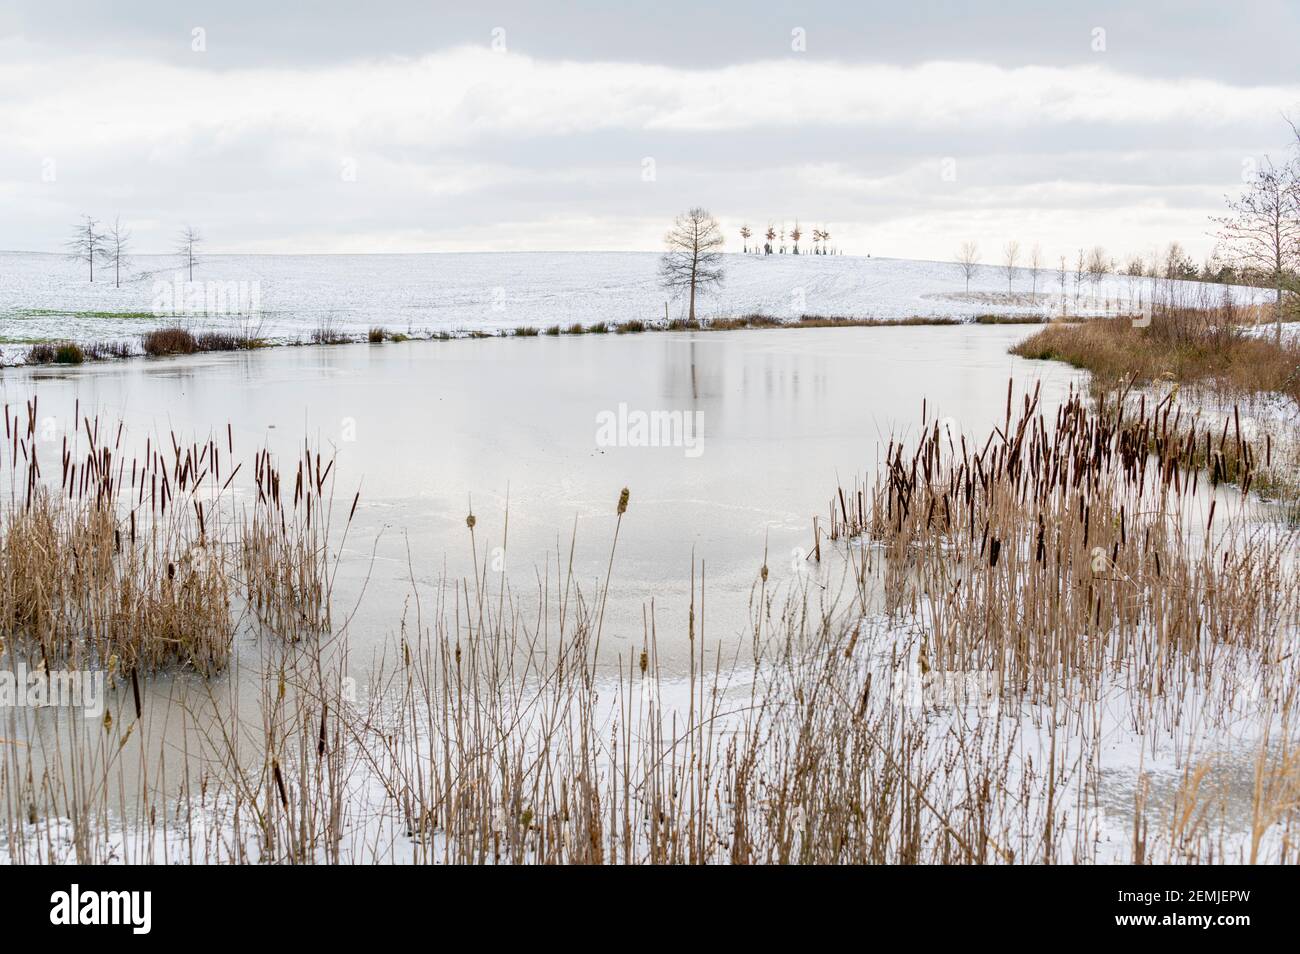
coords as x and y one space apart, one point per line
1098 267
1011 254
693 260
795 236
1035 268
1080 269
745 233
187 247
1262 231
117 247
1178 264
826 242
1133 270
771 238
1061 274
1133 267
88 244
968 259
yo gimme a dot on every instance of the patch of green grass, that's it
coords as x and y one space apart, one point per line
63 313
69 353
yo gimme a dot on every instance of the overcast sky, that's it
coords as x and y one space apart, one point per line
902 128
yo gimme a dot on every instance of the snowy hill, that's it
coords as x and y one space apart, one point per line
44 297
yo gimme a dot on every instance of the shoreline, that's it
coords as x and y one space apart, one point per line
68 353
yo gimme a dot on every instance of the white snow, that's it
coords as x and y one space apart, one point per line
47 297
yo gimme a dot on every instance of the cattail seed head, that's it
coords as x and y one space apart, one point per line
622 501
469 521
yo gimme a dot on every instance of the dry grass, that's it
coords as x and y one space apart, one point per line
108 350
65 353
1056 545
141 563
1019 319
168 341
1083 575
161 342
1193 346
327 332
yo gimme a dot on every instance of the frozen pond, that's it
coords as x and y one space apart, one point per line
542 428
424 429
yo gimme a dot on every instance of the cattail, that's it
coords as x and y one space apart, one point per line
622 501
469 521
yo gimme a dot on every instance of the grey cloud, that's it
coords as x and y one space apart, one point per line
1245 43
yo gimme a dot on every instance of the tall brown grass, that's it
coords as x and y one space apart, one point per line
1197 346
132 558
1100 586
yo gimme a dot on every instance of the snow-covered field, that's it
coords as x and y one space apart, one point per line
47 297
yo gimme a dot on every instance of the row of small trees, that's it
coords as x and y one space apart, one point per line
1090 266
1087 268
774 242
111 247
692 260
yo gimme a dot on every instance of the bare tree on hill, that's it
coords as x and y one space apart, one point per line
1011 255
118 245
88 244
187 246
968 259
693 260
1098 266
1035 267
1080 269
